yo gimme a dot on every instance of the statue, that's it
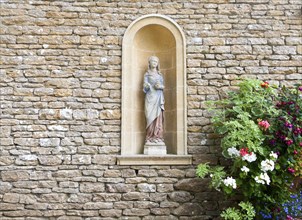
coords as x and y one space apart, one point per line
154 108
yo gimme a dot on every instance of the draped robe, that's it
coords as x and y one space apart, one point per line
154 106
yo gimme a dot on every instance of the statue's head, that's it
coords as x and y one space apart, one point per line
153 58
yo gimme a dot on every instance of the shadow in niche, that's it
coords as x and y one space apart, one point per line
159 41
160 36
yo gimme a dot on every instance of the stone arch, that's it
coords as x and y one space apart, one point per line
161 36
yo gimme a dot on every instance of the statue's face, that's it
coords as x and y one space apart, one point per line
153 63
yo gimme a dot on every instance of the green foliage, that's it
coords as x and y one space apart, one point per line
261 134
246 212
231 214
203 170
216 173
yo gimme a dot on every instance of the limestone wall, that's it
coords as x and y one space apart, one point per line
60 86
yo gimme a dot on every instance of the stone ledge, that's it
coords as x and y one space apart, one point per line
141 159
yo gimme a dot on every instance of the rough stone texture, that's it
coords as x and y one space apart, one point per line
60 95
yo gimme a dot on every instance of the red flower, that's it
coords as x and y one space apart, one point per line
264 85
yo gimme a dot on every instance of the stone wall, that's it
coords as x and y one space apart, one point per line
60 86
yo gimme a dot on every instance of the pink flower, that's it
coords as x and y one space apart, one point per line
264 125
291 170
295 152
288 217
289 142
244 151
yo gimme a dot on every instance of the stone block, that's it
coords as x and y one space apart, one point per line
43 91
164 188
192 185
285 49
120 188
12 207
180 196
188 209
145 187
11 197
94 40
81 159
111 213
6 141
62 92
98 205
85 30
14 175
79 198
110 114
6 160
11 60
123 205
100 93
23 91
161 211
5 187
107 197
49 142
103 159
91 187
136 212
155 148
6 91
40 175
49 160
82 92
214 41
89 60
168 204
111 85
66 114
53 198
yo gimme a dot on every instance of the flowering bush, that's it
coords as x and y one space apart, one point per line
261 129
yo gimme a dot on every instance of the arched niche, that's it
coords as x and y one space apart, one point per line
160 36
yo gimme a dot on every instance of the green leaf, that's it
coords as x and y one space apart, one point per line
256 111
203 170
221 130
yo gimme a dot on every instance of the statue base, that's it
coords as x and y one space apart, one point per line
155 148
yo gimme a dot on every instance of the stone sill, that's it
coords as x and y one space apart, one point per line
141 159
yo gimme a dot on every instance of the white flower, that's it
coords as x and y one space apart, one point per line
258 180
232 151
229 181
250 157
267 165
263 178
245 169
273 155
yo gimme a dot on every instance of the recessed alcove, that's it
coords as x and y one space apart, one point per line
160 36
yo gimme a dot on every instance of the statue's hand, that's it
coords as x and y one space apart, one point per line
146 86
159 86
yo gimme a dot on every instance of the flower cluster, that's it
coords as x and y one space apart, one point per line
264 125
230 182
264 142
263 178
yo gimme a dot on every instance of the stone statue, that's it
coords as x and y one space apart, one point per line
154 108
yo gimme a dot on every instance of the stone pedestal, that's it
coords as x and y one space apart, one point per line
155 148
